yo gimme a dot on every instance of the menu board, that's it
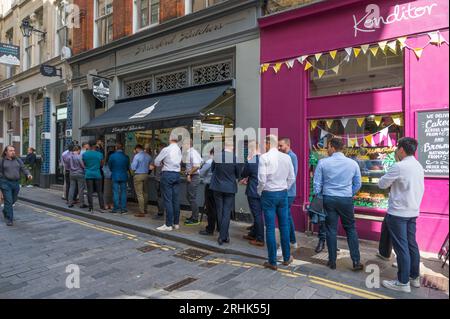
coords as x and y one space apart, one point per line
433 142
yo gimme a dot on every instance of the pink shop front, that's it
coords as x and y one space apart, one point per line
369 72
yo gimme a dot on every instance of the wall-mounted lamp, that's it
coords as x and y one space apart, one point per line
27 29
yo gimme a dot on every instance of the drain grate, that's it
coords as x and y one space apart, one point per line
146 249
180 284
191 254
208 265
309 255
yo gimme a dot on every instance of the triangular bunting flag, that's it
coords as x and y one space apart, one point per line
344 122
264 67
382 45
347 58
356 51
349 51
389 141
436 38
383 134
392 46
290 64
360 121
397 120
374 51
333 54
369 139
402 41
302 59
307 65
314 124
418 52
336 69
320 72
378 120
318 55
352 142
323 133
277 67
365 48
329 123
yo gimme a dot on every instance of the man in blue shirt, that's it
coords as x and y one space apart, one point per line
119 164
338 178
93 161
284 145
140 166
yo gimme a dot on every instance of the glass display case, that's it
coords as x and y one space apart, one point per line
370 141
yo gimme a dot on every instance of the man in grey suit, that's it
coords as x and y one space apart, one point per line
226 171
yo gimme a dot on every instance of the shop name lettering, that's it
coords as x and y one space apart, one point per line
179 38
128 128
372 20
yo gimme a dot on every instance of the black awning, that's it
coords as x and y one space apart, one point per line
156 111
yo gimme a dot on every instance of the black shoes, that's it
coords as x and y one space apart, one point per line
205 233
9 223
331 265
358 266
320 246
84 206
71 205
220 241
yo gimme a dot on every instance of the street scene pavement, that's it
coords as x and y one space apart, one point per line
42 253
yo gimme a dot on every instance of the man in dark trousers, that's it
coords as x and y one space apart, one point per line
210 205
119 164
226 171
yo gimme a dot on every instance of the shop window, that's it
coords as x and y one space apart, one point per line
28 46
104 22
61 27
363 73
148 12
371 142
171 81
138 88
198 5
212 73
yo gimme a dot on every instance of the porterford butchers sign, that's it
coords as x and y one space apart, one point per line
9 54
372 19
433 154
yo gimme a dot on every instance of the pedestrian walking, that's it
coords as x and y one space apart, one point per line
170 160
93 162
225 173
210 206
119 164
275 176
77 177
30 163
10 169
284 145
338 178
193 161
250 176
140 166
406 182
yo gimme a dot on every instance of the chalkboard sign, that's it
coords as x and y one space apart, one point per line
433 142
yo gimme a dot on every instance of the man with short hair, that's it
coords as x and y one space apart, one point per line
77 179
140 166
406 180
93 161
119 164
275 176
193 162
338 178
210 206
65 163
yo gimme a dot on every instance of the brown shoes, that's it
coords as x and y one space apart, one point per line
255 242
139 215
248 237
270 266
287 263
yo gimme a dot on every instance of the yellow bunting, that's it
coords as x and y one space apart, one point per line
360 121
378 120
320 72
277 67
318 55
402 41
365 48
393 46
264 67
352 142
356 51
307 65
418 52
329 123
397 120
314 124
374 51
336 69
369 139
333 54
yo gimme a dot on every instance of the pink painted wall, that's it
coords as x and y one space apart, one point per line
285 104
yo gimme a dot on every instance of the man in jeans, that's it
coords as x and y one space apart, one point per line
93 161
140 166
275 176
193 162
119 164
77 180
406 180
338 178
10 169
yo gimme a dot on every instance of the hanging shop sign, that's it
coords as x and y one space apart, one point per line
49 70
61 114
9 54
432 135
100 88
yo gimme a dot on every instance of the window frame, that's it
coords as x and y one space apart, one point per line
149 9
100 20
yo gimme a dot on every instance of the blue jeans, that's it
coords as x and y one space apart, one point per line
291 221
224 205
170 191
403 236
275 204
258 226
120 195
341 207
10 190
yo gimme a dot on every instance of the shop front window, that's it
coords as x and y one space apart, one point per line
369 71
371 142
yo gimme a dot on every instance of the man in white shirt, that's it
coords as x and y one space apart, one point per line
193 162
406 180
170 160
275 176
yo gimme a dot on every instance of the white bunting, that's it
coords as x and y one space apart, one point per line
392 46
349 51
323 133
290 64
365 48
302 59
344 122
383 133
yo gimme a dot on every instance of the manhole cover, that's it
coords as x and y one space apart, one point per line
191 254
309 255
435 282
146 249
180 284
